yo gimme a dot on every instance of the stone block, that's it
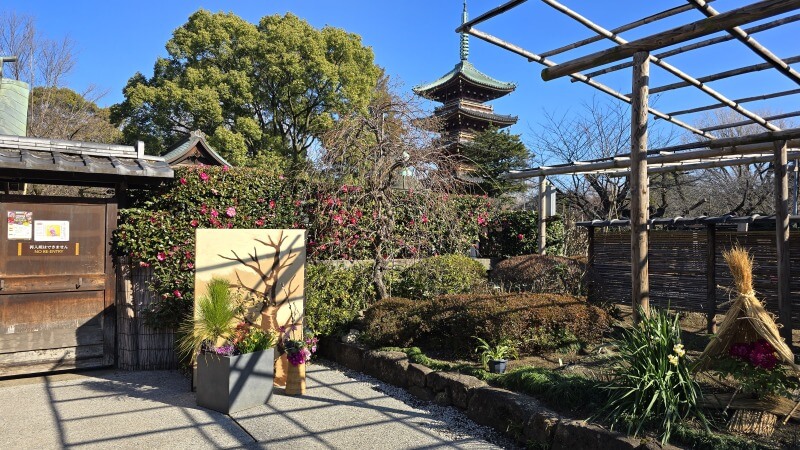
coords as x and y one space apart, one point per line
503 410
541 427
417 374
457 385
442 398
421 393
390 367
573 434
349 356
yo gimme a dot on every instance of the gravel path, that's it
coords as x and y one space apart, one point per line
341 410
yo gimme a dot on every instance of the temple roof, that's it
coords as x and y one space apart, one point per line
464 71
497 120
192 150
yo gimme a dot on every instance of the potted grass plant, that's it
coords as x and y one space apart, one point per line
495 357
235 359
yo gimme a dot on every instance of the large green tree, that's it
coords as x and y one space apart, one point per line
493 153
61 113
252 89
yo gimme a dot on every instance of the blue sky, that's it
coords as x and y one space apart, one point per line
414 41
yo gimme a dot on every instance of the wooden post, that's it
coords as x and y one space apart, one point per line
711 277
591 294
782 238
542 211
640 196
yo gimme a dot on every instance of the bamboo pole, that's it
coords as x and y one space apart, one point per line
723 75
739 16
684 167
738 100
542 211
624 161
750 122
751 43
640 196
599 86
664 65
782 238
711 278
621 29
701 44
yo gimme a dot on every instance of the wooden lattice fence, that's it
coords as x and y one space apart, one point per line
680 268
140 347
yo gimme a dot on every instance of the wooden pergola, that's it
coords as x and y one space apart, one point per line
773 145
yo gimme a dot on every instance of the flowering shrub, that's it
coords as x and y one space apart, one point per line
158 230
755 367
513 233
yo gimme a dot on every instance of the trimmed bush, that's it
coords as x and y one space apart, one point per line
542 274
335 295
513 233
448 323
439 275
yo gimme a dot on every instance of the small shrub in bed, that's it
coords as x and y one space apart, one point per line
538 273
335 295
438 275
448 323
393 322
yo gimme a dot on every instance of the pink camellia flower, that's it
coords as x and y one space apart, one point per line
481 220
214 213
259 223
280 177
298 202
203 209
183 180
272 204
190 265
424 219
203 176
231 211
144 264
177 293
161 256
225 168
521 236
194 223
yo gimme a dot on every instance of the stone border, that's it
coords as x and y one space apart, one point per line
517 415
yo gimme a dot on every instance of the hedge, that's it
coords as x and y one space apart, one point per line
542 274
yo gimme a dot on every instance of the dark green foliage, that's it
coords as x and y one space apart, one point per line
335 295
537 273
652 383
493 153
563 390
439 275
705 440
448 323
515 233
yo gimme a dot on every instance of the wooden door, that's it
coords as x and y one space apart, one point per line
56 284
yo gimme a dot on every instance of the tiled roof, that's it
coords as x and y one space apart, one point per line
27 159
466 70
180 148
502 119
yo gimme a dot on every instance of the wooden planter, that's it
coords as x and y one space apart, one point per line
233 383
296 379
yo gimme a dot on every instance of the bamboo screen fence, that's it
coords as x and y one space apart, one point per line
679 268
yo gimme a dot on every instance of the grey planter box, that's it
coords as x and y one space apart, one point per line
232 383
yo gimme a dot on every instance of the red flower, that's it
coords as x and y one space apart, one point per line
183 180
521 236
272 204
424 219
177 293
161 256
214 213
190 265
203 209
225 168
194 223
740 351
231 211
259 223
204 176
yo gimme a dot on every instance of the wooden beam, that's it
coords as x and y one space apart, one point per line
664 65
738 100
751 43
722 75
711 278
623 161
640 196
782 238
701 44
740 16
621 29
750 122
542 211
488 15
653 168
599 86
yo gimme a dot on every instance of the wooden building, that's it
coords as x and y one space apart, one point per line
463 93
57 282
193 150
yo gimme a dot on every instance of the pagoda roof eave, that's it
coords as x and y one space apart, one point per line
468 72
499 119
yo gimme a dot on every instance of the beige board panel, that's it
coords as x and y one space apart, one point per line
247 258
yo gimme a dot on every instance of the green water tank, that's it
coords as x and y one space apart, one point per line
13 107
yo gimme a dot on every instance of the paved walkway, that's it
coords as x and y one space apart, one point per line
112 409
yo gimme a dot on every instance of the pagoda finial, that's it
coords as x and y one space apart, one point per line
464 36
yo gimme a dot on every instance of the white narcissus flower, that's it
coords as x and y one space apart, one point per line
678 349
673 360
